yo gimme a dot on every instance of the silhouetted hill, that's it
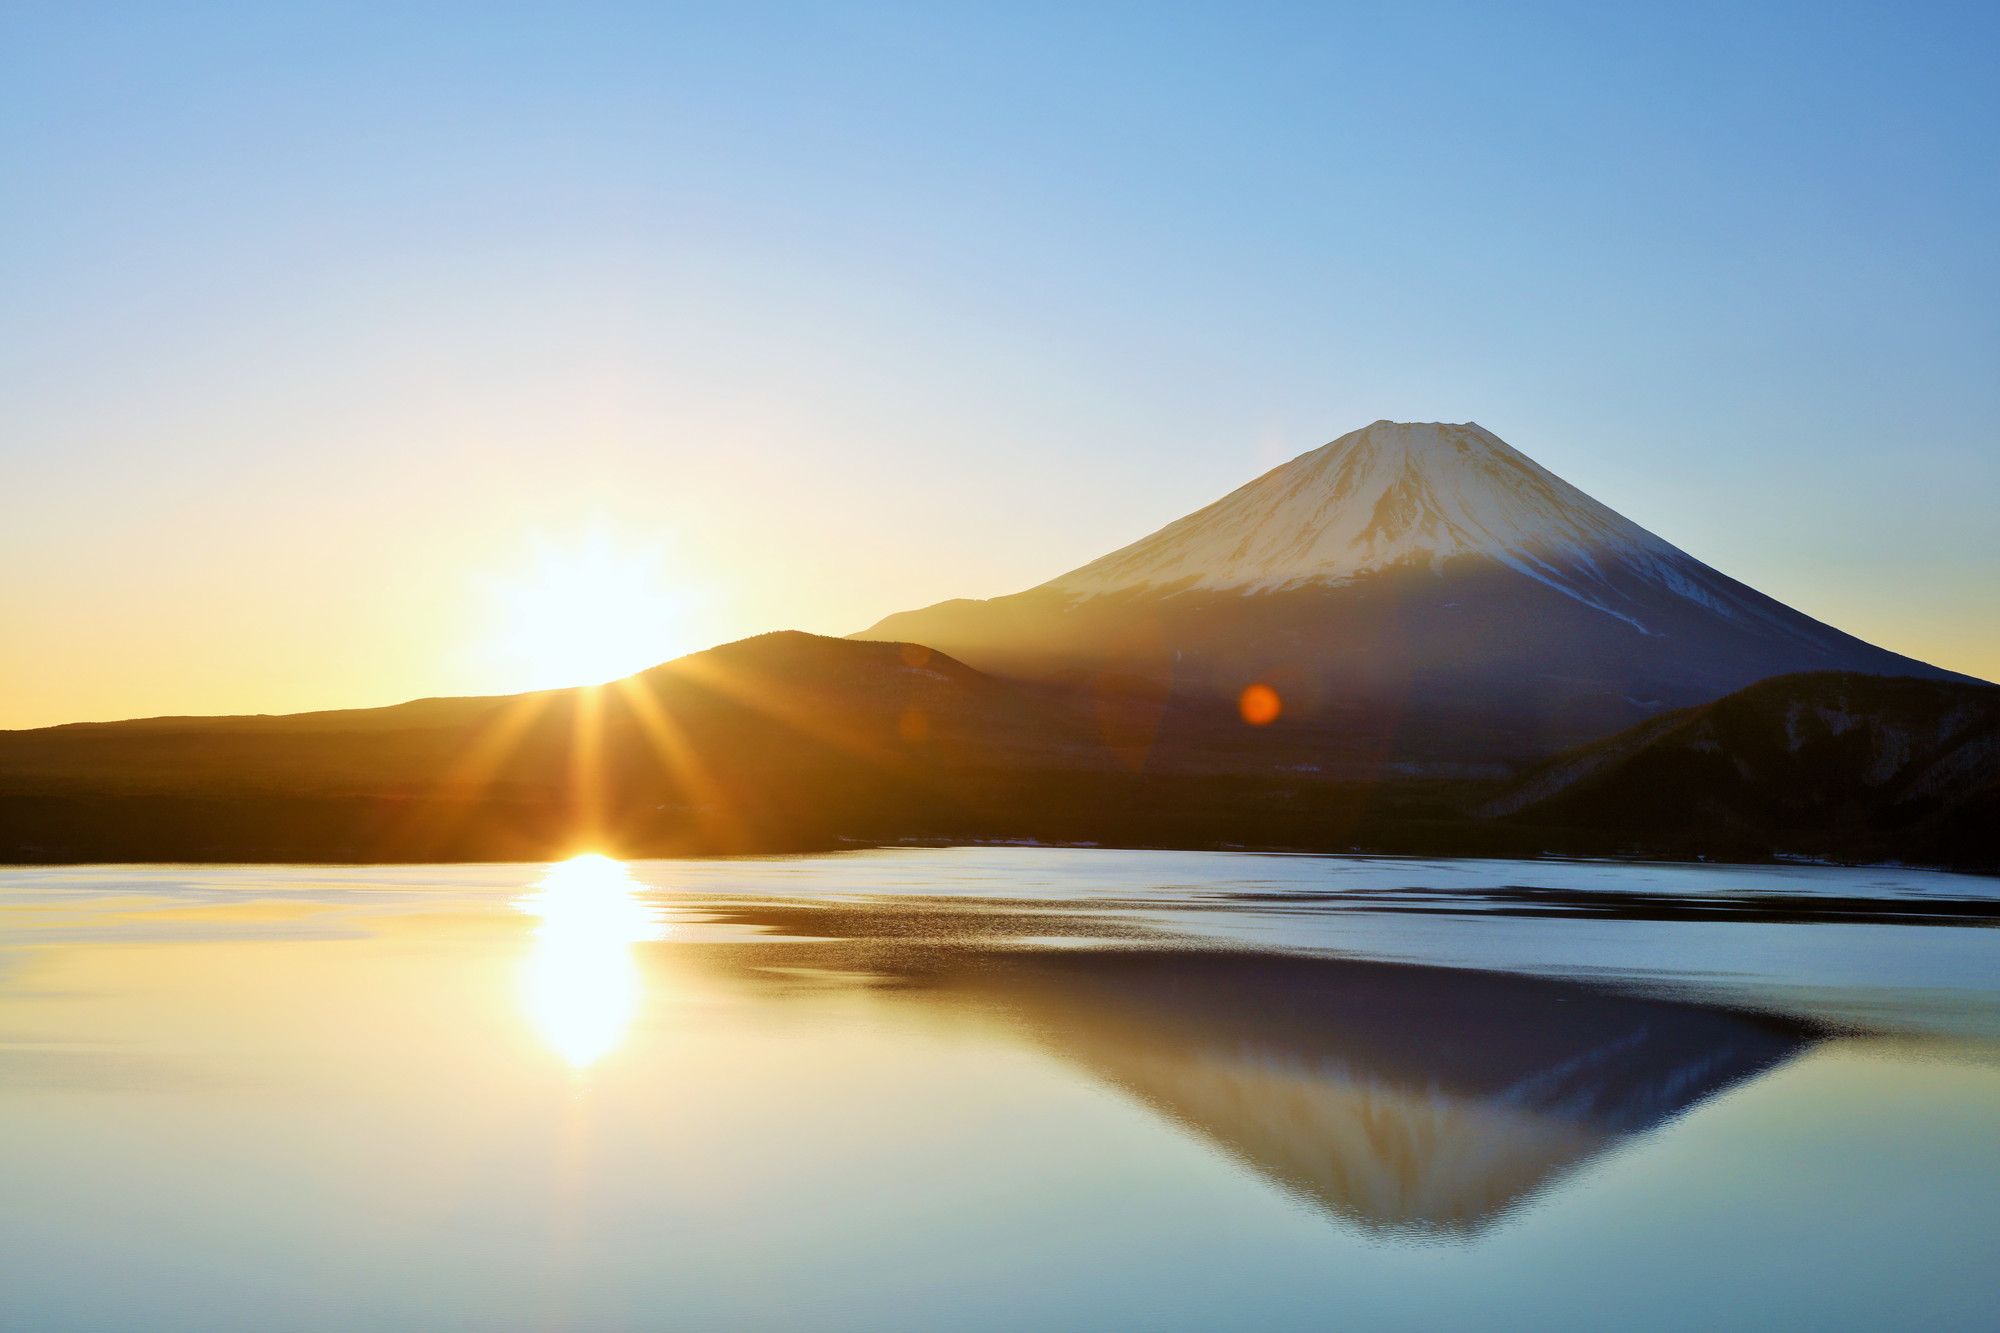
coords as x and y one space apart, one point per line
1824 764
782 740
786 741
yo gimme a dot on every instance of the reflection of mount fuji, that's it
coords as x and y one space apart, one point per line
1409 1099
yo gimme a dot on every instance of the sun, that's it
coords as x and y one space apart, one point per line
584 614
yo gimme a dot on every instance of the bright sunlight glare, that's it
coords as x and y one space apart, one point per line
584 616
581 986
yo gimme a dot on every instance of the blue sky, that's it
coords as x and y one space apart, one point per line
320 318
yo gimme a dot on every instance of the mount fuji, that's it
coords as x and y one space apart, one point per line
1423 580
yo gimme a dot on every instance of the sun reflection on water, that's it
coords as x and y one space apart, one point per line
581 984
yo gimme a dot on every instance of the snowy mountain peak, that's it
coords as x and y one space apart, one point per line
1391 493
1418 566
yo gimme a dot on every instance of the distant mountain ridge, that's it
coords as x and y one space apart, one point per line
782 742
792 742
1427 569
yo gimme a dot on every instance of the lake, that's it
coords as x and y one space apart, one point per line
999 1088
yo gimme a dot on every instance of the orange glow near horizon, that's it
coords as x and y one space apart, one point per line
1260 705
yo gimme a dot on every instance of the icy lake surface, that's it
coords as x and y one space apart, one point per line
998 1088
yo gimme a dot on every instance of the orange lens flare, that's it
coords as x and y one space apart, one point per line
1260 705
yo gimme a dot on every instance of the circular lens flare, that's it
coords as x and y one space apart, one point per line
1260 705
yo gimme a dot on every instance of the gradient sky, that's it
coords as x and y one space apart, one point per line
324 323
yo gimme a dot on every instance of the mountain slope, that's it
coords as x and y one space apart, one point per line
1831 764
1426 573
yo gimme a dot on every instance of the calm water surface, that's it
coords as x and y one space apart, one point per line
979 1088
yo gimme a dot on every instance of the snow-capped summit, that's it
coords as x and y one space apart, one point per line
1382 495
1411 494
1407 570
